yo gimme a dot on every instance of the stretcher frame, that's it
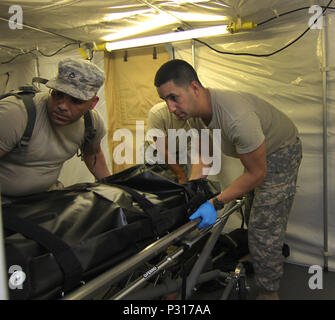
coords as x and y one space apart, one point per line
184 237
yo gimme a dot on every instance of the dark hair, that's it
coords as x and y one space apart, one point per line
181 72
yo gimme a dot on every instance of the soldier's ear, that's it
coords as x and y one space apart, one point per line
195 87
95 100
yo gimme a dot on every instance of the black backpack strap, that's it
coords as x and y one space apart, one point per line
31 112
26 94
62 252
89 135
39 80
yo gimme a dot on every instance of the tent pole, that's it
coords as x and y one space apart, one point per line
42 31
193 53
3 269
325 142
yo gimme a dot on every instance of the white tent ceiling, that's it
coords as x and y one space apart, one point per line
48 26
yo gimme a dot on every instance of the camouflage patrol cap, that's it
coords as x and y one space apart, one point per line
80 79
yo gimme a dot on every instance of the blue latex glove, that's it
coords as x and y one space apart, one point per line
207 213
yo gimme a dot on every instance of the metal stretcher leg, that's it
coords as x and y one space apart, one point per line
196 271
199 265
237 281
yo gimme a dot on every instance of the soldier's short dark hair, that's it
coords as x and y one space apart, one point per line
180 71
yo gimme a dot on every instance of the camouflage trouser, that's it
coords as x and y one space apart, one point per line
169 174
270 209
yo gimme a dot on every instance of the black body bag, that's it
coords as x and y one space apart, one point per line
63 237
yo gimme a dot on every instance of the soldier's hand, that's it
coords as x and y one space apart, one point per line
207 213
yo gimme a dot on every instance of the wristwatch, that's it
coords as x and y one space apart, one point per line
217 204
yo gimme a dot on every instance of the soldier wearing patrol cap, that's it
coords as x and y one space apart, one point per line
59 131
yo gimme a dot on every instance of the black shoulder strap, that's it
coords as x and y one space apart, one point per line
89 135
26 94
62 252
31 112
39 80
89 128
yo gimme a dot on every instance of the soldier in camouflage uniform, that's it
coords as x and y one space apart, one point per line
267 144
59 131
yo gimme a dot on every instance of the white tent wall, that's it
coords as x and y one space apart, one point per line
292 81
21 72
331 131
13 75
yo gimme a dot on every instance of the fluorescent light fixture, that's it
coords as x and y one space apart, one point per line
188 16
167 37
122 15
154 22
